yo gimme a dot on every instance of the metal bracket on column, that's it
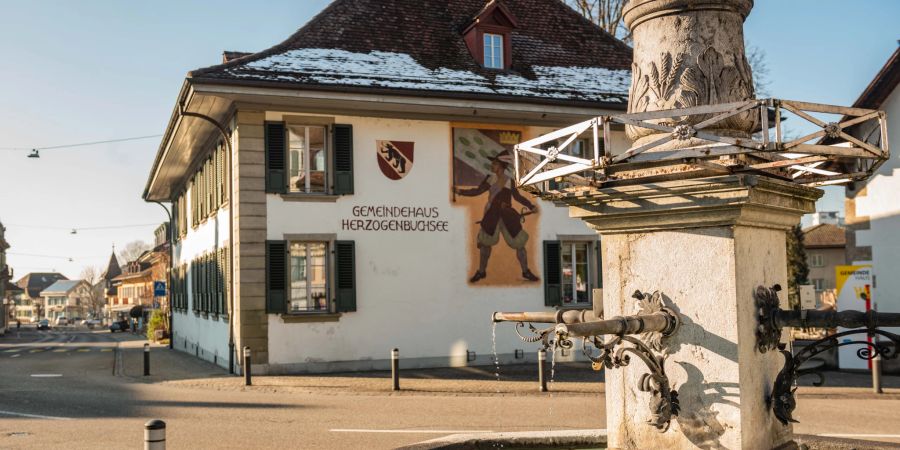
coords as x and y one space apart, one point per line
650 348
771 319
768 333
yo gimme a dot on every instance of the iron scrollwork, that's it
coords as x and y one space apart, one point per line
783 401
650 349
771 319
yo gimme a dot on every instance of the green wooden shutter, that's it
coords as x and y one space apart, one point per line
276 277
599 265
343 159
276 152
345 275
552 273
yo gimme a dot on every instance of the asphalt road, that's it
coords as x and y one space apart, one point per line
64 389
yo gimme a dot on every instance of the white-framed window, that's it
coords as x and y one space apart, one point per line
309 274
818 283
493 51
816 260
579 269
307 159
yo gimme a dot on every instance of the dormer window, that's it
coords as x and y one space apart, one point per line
493 51
488 36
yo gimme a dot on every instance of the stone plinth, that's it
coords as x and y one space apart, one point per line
705 245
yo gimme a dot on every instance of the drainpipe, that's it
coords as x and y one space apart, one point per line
226 136
171 265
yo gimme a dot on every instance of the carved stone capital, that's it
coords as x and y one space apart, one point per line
689 53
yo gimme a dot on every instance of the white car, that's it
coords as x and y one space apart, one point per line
61 320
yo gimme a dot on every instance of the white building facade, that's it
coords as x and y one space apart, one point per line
872 207
368 202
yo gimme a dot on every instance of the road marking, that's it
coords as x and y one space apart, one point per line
83 350
36 350
15 356
46 375
34 416
106 349
60 350
13 350
890 436
359 430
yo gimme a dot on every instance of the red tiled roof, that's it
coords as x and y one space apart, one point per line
824 235
356 43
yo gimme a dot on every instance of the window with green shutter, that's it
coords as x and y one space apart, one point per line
343 159
276 277
552 274
345 275
275 147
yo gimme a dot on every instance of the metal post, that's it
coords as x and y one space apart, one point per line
395 368
542 358
247 374
146 360
876 374
155 435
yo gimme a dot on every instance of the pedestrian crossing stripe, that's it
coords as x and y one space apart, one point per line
13 350
83 350
60 350
105 349
35 350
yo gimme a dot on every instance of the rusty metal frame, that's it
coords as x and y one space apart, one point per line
804 160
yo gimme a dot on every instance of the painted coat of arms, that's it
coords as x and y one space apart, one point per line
395 158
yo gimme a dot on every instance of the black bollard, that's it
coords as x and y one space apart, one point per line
542 358
395 368
247 375
146 360
155 435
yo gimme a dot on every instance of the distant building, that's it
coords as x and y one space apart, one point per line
134 286
829 217
104 287
825 246
873 206
5 275
67 298
32 284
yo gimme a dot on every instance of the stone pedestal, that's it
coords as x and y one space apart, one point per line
705 245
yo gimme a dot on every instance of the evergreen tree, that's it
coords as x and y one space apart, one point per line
798 270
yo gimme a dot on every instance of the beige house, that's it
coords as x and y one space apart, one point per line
825 246
67 298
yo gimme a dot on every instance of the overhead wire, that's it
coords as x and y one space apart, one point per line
82 144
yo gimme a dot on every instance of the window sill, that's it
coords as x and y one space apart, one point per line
310 317
298 197
575 306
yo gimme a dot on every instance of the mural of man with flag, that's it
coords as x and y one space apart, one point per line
500 217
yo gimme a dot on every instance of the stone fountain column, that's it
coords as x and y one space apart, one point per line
705 244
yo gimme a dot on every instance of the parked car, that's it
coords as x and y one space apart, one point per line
43 324
90 323
119 325
61 320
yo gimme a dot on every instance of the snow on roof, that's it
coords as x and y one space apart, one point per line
401 71
61 287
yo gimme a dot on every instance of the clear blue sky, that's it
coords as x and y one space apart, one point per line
94 70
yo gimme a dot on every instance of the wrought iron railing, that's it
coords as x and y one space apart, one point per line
830 155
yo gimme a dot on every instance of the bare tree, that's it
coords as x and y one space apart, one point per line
756 57
92 275
607 14
132 251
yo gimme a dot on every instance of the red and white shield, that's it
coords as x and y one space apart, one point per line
395 158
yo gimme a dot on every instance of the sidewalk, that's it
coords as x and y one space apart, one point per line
176 368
